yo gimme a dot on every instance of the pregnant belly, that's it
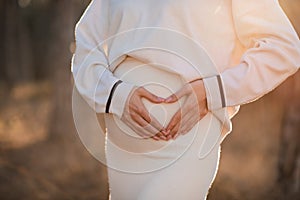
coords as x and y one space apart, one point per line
159 81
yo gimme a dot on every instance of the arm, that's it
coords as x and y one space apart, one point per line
94 81
273 54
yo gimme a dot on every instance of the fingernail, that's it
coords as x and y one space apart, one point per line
164 132
168 100
163 137
155 138
160 99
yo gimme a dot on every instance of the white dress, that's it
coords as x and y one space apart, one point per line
145 169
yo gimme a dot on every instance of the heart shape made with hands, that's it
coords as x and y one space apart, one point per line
157 80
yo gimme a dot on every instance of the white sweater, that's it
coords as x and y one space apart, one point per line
252 44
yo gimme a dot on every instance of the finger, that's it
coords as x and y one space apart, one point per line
174 124
157 125
188 124
141 123
174 131
142 117
177 130
143 112
190 115
156 138
151 119
190 121
140 114
172 98
136 117
182 118
180 93
143 132
131 118
149 128
175 120
153 131
161 136
151 97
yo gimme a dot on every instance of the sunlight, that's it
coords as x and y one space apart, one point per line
24 3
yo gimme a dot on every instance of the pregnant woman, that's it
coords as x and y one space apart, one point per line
168 75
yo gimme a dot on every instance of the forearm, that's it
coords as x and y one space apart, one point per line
272 54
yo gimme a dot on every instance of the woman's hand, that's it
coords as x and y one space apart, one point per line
137 117
193 109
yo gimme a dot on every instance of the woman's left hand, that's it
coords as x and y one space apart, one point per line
193 109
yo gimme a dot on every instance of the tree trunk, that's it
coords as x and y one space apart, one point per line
18 52
2 35
62 130
289 150
10 42
62 29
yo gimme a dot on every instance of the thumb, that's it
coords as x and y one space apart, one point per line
151 97
177 95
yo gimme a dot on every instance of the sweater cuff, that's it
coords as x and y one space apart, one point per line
214 92
119 98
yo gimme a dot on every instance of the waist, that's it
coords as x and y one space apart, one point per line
157 80
161 82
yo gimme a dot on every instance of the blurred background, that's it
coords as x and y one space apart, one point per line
41 156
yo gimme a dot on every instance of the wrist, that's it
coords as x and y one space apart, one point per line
199 89
119 98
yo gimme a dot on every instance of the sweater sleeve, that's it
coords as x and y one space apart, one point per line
273 54
90 66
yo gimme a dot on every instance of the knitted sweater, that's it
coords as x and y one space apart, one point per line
251 43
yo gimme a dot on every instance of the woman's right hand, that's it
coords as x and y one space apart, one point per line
137 117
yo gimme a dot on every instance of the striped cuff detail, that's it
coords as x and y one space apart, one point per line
111 95
221 90
214 92
121 94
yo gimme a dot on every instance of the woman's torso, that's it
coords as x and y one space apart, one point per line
208 23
